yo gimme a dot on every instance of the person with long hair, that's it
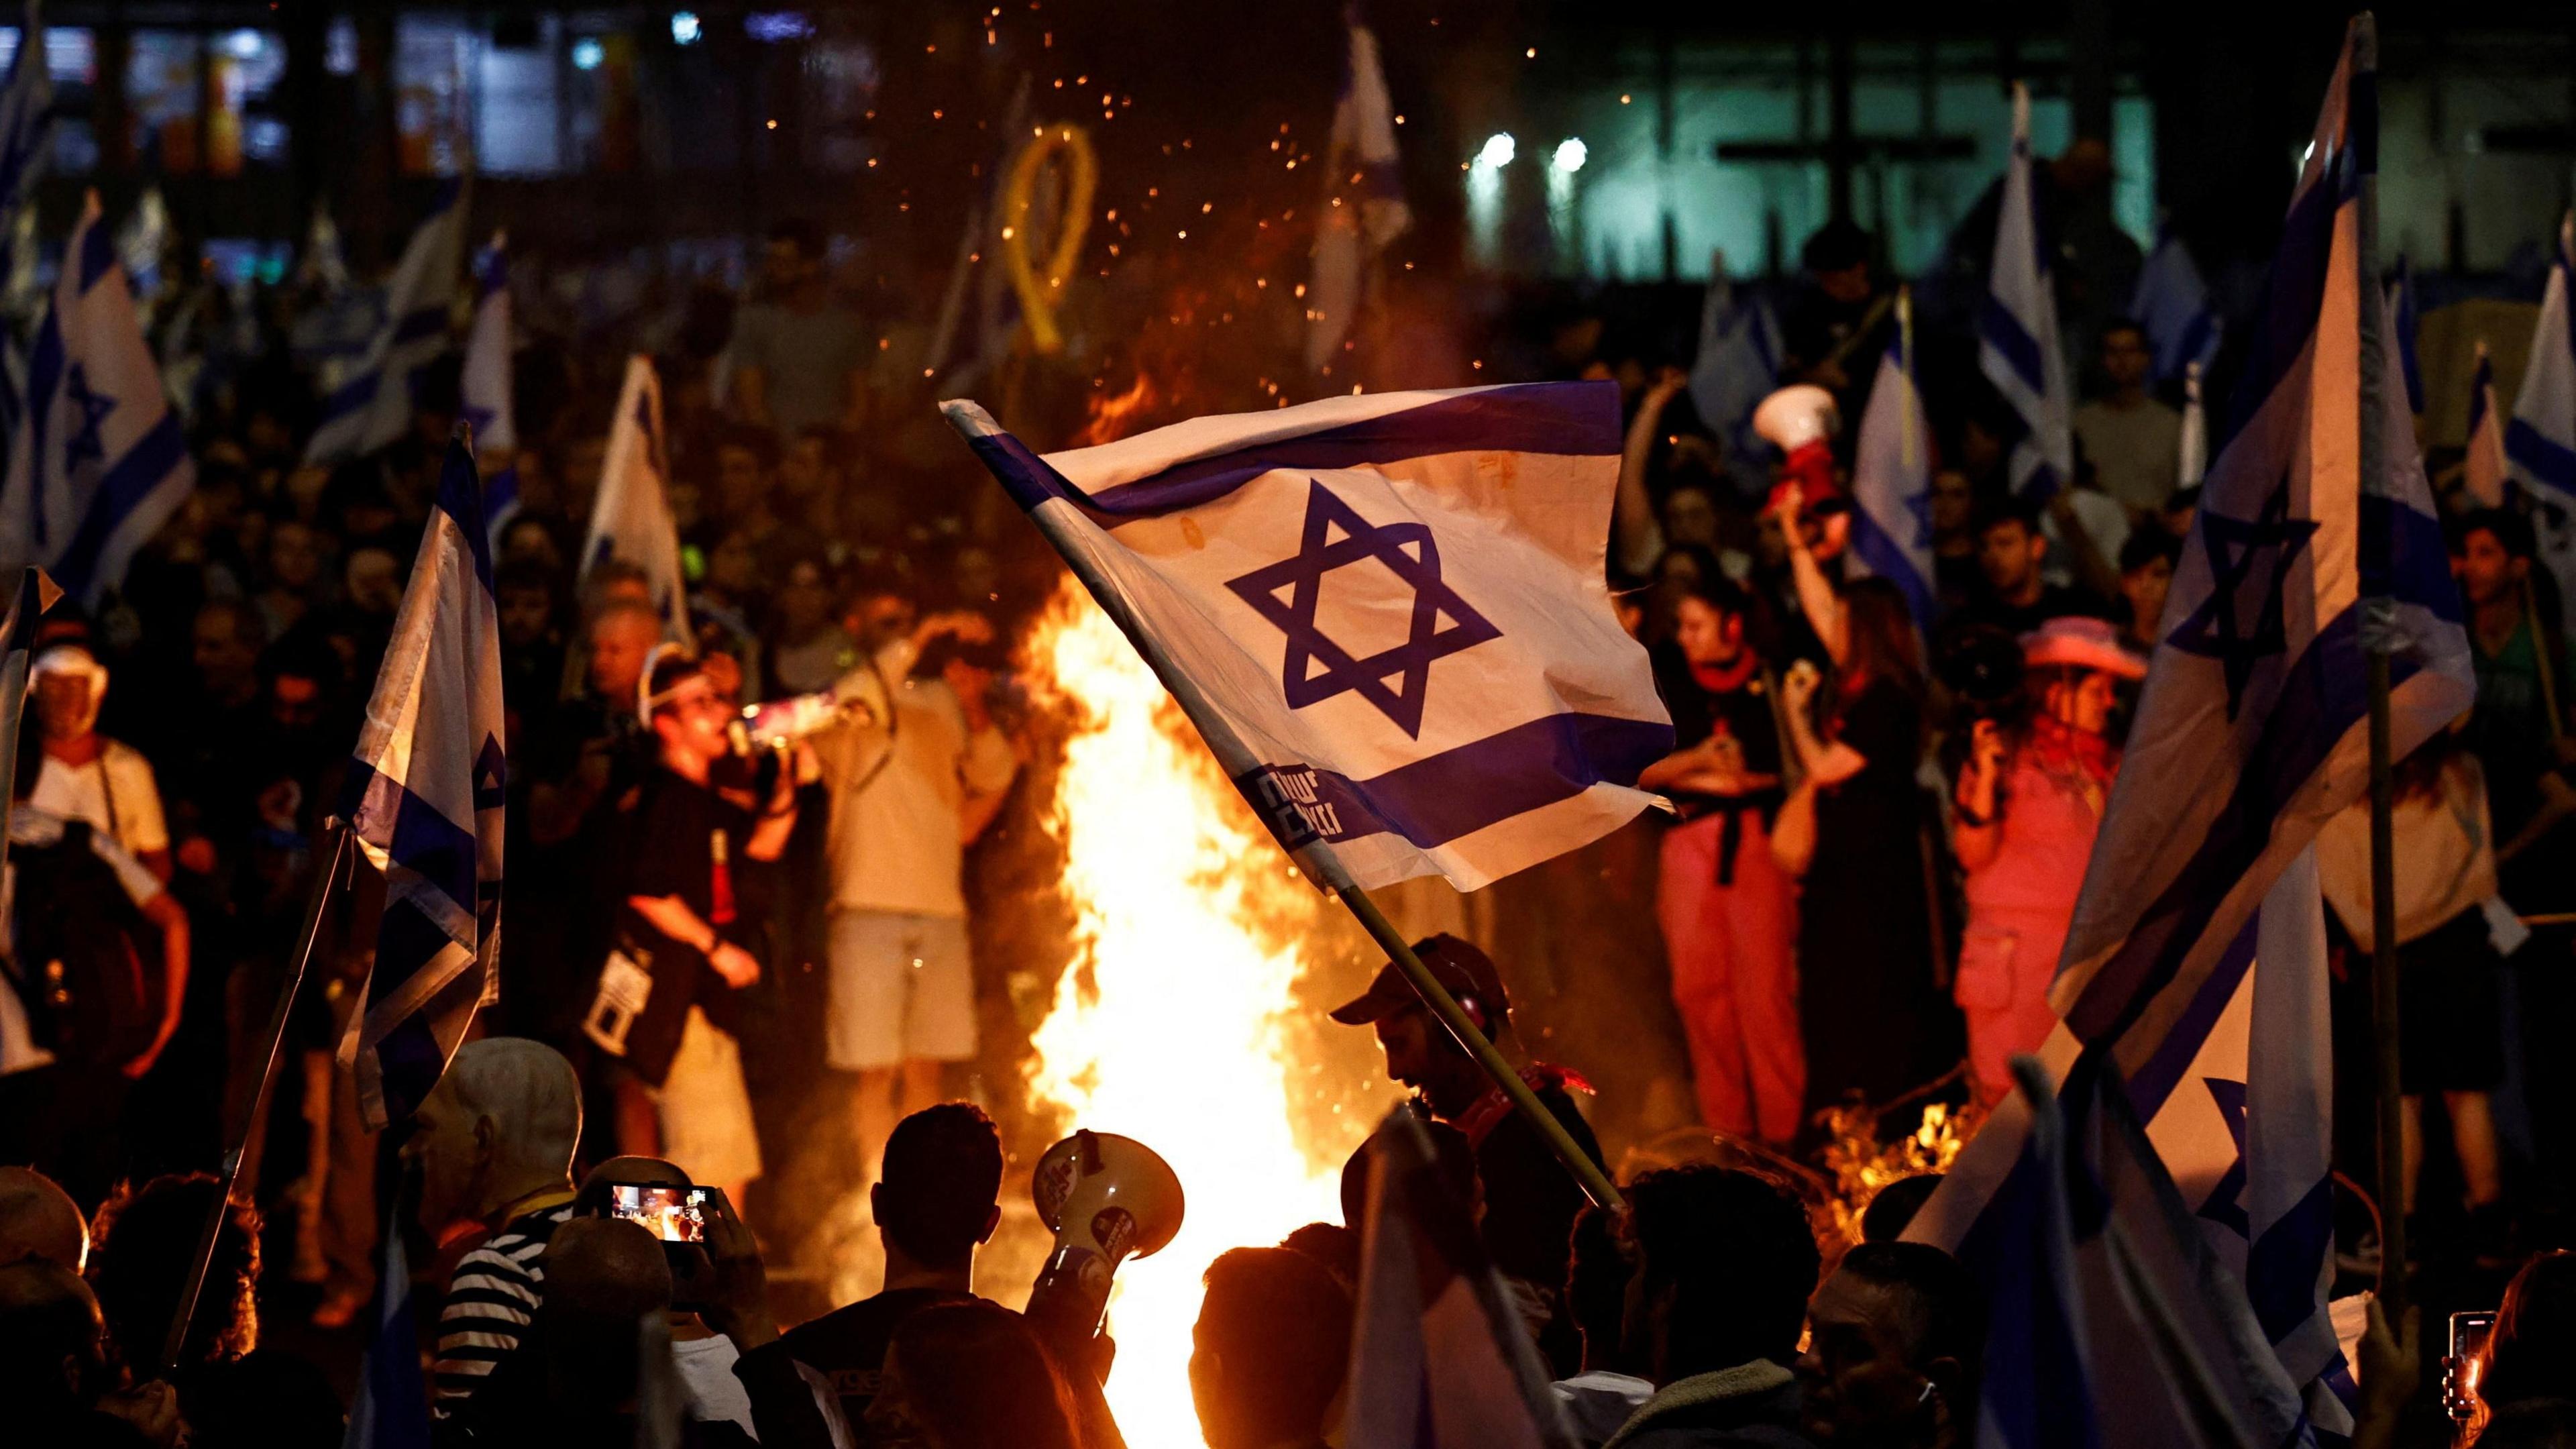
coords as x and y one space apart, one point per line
1729 913
1873 1021
2532 1352
2027 805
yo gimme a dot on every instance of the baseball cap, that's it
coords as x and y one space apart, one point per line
1468 973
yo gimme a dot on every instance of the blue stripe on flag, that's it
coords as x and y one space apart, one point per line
350 396
1568 419
1457 792
460 497
2157 1076
427 322
97 255
121 490
408 1054
2281 1266
2404 556
2293 294
2035 1393
2551 462
1874 547
2003 331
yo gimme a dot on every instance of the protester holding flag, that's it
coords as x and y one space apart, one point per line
2023 817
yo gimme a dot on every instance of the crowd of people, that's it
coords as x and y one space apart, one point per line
1883 818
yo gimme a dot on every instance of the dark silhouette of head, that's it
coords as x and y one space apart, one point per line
939 1194
1725 1261
973 1376
1272 1344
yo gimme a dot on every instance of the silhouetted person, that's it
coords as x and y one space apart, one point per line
1270 1350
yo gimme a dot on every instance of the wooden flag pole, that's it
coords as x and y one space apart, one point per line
335 852
1596 1183
2378 628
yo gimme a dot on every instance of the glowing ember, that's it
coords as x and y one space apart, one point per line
1170 1026
1860 1164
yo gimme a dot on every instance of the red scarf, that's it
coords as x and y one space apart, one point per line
1726 678
1480 1120
2059 748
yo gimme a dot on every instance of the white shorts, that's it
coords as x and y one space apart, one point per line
903 989
706 1112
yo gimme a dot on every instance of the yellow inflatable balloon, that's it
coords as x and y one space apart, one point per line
1040 284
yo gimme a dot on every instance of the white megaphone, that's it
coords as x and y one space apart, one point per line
1107 1199
1796 416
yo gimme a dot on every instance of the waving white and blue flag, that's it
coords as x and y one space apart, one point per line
2191 988
1891 480
1351 229
425 805
98 462
2540 442
372 406
484 387
1386 614
630 518
2172 304
2018 348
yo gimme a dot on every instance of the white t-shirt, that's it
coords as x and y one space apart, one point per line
898 842
706 1376
114 793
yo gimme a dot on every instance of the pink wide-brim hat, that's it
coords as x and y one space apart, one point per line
2080 643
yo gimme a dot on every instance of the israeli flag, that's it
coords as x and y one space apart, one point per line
485 385
630 519
1737 366
1364 206
2251 732
391 1408
2401 301
372 406
98 463
425 804
2483 472
26 113
2172 304
2018 348
1386 614
1891 484
2192 450
2540 442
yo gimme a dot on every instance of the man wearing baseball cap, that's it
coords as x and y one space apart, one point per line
1530 1198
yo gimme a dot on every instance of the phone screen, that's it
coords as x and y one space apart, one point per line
2469 1333
673 1214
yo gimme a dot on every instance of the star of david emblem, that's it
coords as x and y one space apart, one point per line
2238 631
84 444
1317 667
2224 1205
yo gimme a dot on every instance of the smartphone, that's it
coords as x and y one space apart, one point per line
2464 1361
670 1212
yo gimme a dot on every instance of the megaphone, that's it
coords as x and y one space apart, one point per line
1801 421
1106 1198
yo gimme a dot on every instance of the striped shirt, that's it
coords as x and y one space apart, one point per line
491 1300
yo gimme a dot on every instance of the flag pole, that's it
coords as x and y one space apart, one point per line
2378 629
34 595
335 849
1596 1183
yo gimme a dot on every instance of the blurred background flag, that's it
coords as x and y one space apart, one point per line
373 405
630 520
1891 533
98 463
2018 347
2483 471
1361 172
391 1408
2540 440
484 385
425 803
2172 304
1461 700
